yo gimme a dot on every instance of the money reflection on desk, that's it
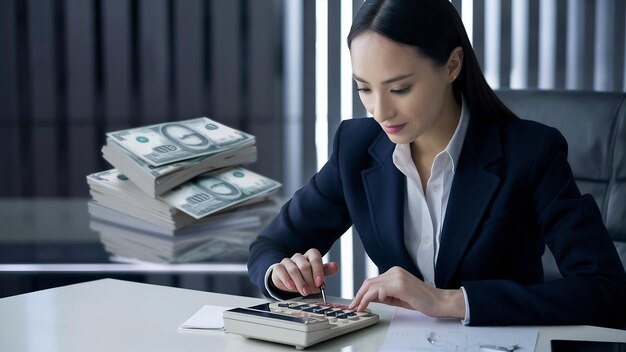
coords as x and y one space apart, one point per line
224 237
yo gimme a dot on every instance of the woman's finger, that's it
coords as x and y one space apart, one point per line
331 268
296 275
306 271
317 269
281 278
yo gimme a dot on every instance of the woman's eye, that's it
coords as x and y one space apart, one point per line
401 91
363 90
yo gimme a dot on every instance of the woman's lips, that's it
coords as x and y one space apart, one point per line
393 128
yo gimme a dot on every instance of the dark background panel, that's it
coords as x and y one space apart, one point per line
154 50
79 97
10 180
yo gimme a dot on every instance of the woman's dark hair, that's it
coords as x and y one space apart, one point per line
434 28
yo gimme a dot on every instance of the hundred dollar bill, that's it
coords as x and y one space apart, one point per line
210 193
175 141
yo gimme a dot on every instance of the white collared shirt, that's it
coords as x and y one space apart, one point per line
424 213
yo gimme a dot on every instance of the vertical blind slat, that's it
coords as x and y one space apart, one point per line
547 44
504 72
604 59
42 60
519 44
533 43
81 93
226 68
561 40
588 37
492 42
116 64
294 69
9 130
618 44
309 100
153 49
189 53
478 26
264 86
575 47
25 110
334 113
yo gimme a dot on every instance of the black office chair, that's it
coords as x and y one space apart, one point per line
594 125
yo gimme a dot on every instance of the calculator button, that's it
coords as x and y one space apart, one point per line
335 313
321 310
348 316
343 318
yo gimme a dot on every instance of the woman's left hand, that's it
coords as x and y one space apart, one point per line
398 287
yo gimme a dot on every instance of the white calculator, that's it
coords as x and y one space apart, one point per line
301 323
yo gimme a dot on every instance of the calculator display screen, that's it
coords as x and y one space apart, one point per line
263 310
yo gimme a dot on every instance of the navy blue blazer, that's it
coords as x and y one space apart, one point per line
512 193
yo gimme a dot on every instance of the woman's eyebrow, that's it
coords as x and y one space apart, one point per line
391 80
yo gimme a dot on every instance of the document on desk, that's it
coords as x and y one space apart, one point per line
413 331
207 318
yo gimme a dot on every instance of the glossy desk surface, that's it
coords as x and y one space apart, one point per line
114 315
57 235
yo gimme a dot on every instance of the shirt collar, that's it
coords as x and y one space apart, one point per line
402 152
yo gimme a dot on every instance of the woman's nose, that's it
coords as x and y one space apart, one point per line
382 110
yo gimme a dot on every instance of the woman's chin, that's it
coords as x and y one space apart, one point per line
398 139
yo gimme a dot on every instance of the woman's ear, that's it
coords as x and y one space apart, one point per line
455 63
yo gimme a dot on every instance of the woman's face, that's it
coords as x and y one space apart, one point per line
404 91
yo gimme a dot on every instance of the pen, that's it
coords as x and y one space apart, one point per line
499 348
323 290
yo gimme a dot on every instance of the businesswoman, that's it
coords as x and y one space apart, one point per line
453 196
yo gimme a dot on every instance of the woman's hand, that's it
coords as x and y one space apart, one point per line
302 273
398 287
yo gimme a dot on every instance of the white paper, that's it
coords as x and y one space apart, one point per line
413 331
207 318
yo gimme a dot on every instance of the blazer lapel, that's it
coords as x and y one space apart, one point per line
472 190
385 187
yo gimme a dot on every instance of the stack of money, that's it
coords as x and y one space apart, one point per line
176 175
160 157
211 193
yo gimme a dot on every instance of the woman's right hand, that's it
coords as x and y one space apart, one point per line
303 273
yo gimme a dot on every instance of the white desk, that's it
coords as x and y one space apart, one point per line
113 315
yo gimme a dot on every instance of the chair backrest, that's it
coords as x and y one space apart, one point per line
594 125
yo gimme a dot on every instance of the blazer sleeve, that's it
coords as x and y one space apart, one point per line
315 217
593 287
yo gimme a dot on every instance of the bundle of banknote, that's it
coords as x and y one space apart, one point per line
211 193
160 157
